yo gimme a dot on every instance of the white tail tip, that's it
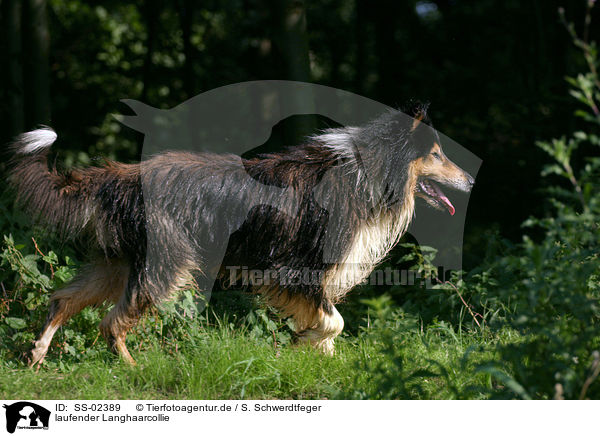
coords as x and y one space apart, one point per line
36 140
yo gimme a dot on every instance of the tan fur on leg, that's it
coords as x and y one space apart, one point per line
93 285
123 351
131 307
299 308
40 348
323 333
116 324
314 326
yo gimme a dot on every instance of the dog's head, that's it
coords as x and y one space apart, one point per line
433 168
400 150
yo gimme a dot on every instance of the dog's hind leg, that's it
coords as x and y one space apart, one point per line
125 315
94 284
140 294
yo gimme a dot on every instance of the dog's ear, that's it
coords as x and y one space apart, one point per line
417 120
418 111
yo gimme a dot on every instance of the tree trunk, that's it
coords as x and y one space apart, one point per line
36 71
12 74
151 12
293 43
361 42
387 51
294 40
186 14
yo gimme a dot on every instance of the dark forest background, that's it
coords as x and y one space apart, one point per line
493 72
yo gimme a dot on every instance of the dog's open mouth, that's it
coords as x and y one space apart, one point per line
434 195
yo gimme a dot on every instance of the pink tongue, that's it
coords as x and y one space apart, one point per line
444 199
448 204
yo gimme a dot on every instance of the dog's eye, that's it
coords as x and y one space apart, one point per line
436 155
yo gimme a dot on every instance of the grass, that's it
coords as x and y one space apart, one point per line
221 362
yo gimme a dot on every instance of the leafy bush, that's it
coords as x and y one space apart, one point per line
554 284
544 291
28 277
33 276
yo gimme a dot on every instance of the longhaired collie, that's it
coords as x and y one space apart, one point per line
354 191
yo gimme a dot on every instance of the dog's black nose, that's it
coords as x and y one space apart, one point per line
470 179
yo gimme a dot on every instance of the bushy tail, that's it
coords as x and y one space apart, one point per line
50 198
35 142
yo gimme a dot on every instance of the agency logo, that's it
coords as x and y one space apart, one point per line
236 119
26 415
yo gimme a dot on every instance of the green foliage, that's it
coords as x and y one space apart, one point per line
553 289
545 291
30 278
554 283
392 378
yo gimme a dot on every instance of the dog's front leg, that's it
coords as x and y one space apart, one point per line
329 324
